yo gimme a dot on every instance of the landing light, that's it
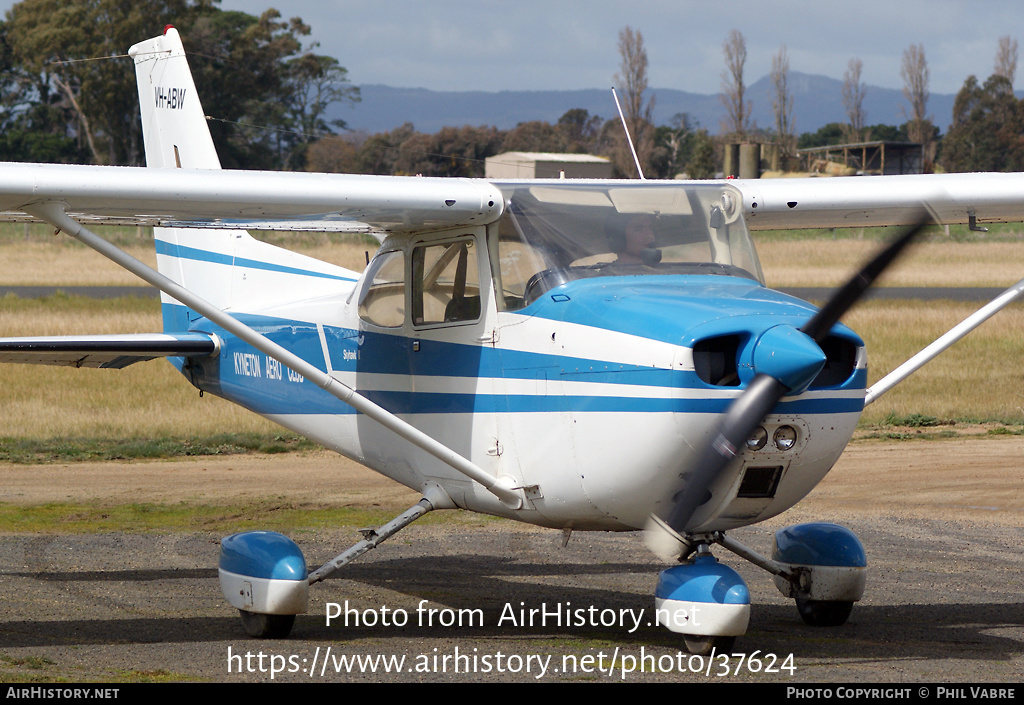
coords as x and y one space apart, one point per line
785 437
757 439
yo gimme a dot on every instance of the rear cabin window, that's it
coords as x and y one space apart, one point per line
382 301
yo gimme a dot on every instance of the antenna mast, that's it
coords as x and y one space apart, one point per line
629 139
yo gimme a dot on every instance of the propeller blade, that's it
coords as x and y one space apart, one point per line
828 315
664 536
742 417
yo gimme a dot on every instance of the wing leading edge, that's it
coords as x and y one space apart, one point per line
105 351
210 198
867 201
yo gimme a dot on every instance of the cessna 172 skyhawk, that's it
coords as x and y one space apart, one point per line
581 355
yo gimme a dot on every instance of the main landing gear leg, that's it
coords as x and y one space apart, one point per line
371 539
263 574
829 568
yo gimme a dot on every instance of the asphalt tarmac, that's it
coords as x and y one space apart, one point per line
452 601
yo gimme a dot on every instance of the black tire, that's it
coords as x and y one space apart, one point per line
267 626
706 645
824 613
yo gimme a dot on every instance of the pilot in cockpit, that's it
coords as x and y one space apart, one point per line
631 237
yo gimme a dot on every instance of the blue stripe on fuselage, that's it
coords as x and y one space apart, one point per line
191 253
248 377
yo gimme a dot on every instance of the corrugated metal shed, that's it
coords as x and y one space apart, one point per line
547 165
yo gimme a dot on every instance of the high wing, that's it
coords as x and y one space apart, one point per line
253 200
106 351
861 201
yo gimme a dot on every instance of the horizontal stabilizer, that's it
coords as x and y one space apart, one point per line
105 351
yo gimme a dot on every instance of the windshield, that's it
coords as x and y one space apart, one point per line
551 234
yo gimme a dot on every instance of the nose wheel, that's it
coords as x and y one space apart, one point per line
824 613
267 626
708 645
822 566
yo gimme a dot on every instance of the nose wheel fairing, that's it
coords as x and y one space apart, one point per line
823 567
702 598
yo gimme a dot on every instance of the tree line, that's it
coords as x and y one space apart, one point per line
987 132
68 92
461 151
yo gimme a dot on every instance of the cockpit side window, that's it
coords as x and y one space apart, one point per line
446 283
514 263
382 300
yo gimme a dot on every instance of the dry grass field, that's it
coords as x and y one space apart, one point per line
146 400
979 379
33 256
828 262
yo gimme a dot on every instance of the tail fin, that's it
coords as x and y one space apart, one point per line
228 268
173 124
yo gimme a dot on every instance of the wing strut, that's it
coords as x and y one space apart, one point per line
53 213
943 342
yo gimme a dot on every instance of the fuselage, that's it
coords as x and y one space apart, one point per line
588 385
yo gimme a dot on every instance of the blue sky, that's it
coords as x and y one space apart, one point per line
531 44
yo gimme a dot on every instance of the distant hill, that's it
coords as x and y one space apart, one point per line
817 101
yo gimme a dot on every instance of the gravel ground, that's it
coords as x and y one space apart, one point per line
942 522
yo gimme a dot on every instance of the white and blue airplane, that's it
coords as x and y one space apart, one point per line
574 354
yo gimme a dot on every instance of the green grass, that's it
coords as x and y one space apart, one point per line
64 450
913 420
269 514
1005 431
33 663
40 669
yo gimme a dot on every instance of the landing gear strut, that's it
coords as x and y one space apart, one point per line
828 569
